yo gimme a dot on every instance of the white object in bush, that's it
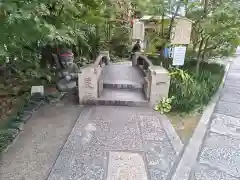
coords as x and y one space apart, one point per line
37 90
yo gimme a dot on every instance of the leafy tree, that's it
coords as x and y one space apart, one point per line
216 30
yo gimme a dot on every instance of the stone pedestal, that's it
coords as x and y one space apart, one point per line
88 84
160 82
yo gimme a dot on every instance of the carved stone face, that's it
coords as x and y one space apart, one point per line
66 57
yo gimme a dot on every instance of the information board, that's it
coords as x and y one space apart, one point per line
179 53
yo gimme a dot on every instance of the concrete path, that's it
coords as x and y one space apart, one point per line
218 154
38 146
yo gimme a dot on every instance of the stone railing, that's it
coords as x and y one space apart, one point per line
156 78
90 81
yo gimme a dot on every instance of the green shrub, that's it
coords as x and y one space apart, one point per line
192 91
164 106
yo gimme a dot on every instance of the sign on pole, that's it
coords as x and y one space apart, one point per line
179 55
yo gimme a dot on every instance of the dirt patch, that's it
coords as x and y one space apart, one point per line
184 124
7 105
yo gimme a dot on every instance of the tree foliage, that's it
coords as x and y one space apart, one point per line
31 30
216 30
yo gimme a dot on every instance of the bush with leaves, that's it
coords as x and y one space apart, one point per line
193 91
164 106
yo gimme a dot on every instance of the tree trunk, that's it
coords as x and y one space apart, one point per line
199 60
204 50
162 25
172 20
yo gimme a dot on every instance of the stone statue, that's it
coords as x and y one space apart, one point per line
68 70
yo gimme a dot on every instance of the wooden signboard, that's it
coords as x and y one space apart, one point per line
138 30
181 32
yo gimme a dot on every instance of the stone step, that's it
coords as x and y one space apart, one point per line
132 86
122 97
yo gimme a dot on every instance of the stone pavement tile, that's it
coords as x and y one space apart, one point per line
113 127
235 75
126 166
122 74
204 172
230 94
80 160
222 152
225 125
151 128
232 82
228 108
160 157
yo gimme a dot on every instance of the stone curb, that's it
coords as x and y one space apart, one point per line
84 114
191 151
171 134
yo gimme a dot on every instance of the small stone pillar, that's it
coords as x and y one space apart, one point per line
88 84
160 82
135 58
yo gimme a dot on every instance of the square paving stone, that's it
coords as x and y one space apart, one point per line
231 81
113 127
230 94
151 128
119 135
79 161
126 166
160 158
228 108
226 125
203 172
222 152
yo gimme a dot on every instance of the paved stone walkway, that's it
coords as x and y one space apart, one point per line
219 155
118 143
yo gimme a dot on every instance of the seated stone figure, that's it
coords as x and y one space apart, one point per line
68 70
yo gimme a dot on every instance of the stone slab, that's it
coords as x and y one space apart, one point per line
231 96
226 125
126 166
204 172
80 160
160 158
121 85
228 108
122 74
233 82
151 128
115 128
122 94
222 152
